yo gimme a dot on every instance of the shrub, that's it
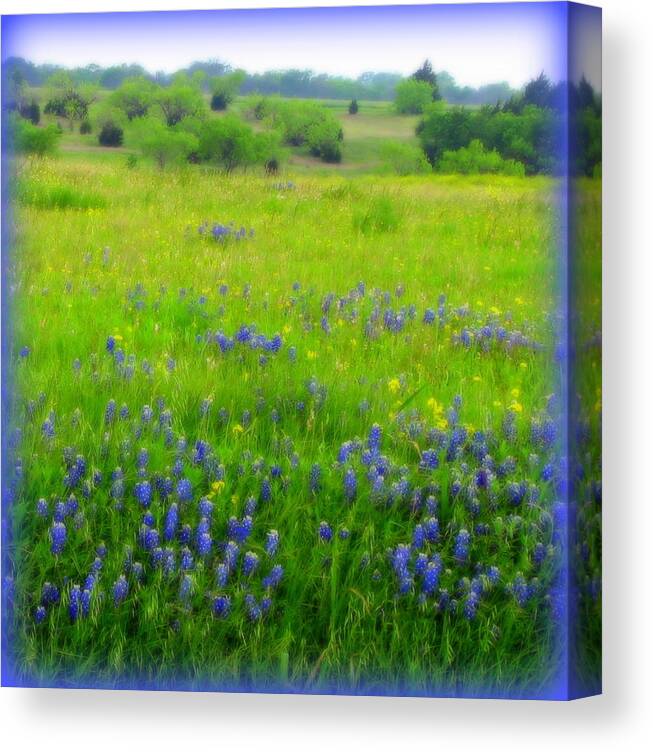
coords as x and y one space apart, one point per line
404 159
30 139
31 112
412 97
85 127
111 135
164 144
219 101
476 159
230 143
353 107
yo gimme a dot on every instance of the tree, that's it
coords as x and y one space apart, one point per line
134 97
68 99
225 88
30 139
427 75
404 159
353 107
162 143
179 101
413 97
31 112
538 92
110 135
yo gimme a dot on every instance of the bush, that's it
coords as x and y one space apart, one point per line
164 144
404 159
31 112
230 143
353 107
30 139
85 127
475 159
219 101
305 124
413 97
111 135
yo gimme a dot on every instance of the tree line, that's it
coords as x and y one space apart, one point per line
377 86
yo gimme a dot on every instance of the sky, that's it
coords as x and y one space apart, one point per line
477 44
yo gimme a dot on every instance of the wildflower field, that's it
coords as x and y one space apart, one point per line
298 432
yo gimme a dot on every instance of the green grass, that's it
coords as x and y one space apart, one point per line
131 264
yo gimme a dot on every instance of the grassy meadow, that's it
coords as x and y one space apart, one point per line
318 455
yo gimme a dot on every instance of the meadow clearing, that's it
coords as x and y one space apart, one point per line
317 454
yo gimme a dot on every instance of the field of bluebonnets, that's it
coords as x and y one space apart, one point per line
290 432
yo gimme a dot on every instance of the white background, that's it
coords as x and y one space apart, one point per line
623 717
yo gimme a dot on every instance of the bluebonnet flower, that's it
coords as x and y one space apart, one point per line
274 577
110 411
171 522
418 536
231 552
250 506
221 575
521 589
343 533
539 554
430 460
148 519
420 563
429 316
266 490
204 544
431 529
221 606
470 606
74 602
110 344
250 563
461 546
184 490
39 614
186 559
57 537
205 507
315 477
48 428
149 538
431 579
185 588
272 542
493 575
85 602
120 590
515 492
49 594
42 508
374 438
143 493
325 532
124 412
350 484
253 609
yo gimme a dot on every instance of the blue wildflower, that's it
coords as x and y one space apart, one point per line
57 537
120 590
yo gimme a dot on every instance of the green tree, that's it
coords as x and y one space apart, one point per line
165 145
134 97
30 139
412 97
180 100
353 107
225 88
427 75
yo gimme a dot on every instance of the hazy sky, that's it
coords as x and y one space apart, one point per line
476 43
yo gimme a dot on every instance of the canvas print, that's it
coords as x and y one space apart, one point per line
301 348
